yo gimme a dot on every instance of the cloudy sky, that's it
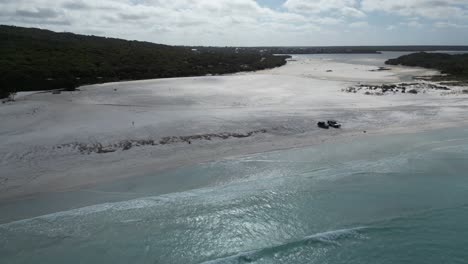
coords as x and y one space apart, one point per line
251 22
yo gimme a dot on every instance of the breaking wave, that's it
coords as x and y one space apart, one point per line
329 238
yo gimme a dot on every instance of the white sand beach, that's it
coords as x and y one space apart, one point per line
50 142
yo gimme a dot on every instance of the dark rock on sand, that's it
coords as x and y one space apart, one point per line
381 69
404 88
124 145
323 125
334 124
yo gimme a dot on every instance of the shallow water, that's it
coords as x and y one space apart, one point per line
380 199
378 59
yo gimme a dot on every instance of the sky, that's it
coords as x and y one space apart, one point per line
251 22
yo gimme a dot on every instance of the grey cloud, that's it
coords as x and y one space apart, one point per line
38 13
230 22
35 21
132 16
75 5
62 22
189 23
433 9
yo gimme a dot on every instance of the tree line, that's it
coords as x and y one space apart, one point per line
35 59
455 65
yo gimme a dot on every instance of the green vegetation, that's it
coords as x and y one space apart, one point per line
35 59
454 65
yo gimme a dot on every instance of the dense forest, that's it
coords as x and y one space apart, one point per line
455 65
35 59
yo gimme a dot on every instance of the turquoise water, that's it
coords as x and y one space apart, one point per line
383 199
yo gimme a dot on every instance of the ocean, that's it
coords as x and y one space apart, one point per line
373 199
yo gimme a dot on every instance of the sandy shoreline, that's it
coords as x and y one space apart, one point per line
153 184
285 102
